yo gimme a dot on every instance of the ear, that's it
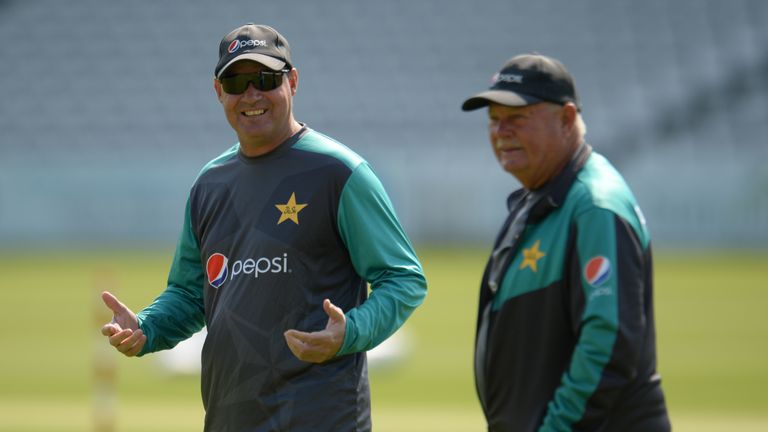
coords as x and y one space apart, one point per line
568 116
217 89
293 80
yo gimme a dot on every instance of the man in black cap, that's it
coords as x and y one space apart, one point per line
282 234
565 332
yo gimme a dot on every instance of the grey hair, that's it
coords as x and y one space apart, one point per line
581 127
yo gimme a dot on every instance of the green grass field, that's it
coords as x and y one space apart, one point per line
711 321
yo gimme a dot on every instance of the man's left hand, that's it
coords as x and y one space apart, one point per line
317 347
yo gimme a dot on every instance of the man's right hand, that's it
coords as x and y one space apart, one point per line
123 331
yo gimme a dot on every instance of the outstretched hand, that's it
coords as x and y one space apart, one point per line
317 347
123 331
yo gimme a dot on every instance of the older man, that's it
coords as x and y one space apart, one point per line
565 334
282 234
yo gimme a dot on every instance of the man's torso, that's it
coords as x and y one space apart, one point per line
268 237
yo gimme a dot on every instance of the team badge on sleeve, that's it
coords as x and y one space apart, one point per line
217 269
597 270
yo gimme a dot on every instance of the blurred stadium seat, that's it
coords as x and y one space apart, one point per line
108 111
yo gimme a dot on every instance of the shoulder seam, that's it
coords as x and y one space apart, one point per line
344 155
226 156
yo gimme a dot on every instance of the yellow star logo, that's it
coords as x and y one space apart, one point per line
531 256
290 210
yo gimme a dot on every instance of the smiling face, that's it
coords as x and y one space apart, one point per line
533 142
262 119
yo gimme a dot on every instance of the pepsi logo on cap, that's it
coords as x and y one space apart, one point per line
217 269
233 46
597 270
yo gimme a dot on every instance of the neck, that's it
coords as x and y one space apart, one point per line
258 147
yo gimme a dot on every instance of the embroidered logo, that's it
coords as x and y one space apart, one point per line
290 210
531 256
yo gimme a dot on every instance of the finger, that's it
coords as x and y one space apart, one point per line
295 336
334 312
306 352
128 343
315 347
295 345
116 339
113 303
110 329
304 337
136 347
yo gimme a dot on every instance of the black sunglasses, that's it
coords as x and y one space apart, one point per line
263 80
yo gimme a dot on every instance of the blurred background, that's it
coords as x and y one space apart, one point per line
107 113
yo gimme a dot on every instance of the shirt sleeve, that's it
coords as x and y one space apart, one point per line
179 311
611 276
382 255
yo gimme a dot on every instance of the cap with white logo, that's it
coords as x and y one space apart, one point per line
256 42
527 79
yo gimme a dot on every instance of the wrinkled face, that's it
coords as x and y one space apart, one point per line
530 142
261 119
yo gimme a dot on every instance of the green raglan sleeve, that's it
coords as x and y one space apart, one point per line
382 255
612 322
179 311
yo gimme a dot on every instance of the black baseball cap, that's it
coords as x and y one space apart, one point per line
256 42
527 79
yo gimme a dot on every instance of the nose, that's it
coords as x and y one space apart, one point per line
251 92
502 127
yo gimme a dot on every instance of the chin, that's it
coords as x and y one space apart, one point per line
512 168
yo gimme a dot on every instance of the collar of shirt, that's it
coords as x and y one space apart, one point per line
277 151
